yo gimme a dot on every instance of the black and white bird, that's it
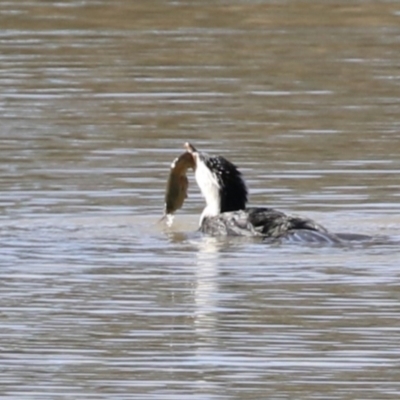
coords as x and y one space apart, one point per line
226 214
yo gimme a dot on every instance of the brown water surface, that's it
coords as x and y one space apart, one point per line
99 301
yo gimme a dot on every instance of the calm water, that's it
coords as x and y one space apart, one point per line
98 300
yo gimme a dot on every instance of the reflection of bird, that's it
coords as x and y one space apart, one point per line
225 193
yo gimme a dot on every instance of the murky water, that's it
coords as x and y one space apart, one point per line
98 300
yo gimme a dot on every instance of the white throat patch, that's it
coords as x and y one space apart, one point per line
210 189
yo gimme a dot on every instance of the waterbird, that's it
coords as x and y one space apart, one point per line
226 212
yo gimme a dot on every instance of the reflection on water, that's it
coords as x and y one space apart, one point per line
99 300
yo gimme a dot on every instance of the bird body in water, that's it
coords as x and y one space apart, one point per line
226 213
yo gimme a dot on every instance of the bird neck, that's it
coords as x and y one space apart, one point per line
210 189
221 185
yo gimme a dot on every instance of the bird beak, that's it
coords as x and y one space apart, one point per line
189 148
